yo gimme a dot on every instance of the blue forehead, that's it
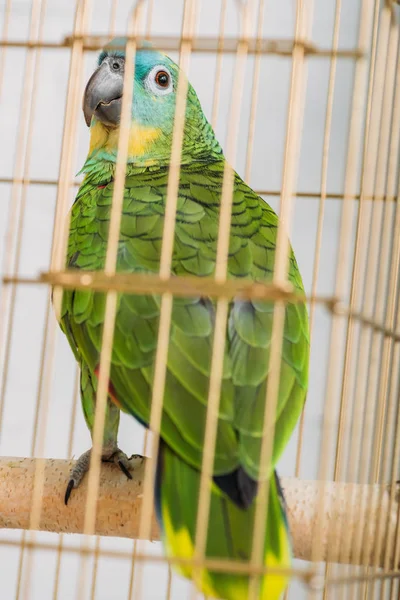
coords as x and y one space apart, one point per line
145 58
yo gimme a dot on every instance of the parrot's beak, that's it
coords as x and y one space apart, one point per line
103 92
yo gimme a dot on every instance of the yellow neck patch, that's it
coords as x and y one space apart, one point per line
98 137
140 138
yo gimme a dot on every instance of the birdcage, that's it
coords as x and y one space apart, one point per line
305 99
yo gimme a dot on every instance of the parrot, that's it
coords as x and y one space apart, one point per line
237 470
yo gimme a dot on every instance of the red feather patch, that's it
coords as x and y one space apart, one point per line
111 390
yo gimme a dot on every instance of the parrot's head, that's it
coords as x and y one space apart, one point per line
155 82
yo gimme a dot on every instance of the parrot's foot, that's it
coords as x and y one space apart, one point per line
111 453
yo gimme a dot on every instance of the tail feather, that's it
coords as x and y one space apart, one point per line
238 486
230 530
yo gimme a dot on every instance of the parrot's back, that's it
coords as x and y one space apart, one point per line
237 468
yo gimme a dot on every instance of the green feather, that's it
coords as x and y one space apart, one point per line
246 359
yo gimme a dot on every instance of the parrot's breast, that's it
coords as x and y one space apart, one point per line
247 346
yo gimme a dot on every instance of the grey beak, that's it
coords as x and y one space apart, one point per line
103 92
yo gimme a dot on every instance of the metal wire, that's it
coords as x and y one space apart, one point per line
228 566
13 254
322 201
61 547
188 29
361 426
261 192
221 313
61 224
377 276
333 376
279 47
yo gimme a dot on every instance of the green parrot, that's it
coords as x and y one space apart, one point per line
236 471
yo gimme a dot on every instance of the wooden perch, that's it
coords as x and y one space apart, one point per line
348 510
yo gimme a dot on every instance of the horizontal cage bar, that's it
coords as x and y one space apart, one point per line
229 45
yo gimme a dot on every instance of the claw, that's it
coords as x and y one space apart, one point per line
120 459
70 487
110 454
124 469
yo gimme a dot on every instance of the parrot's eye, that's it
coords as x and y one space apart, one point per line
159 81
162 79
116 64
